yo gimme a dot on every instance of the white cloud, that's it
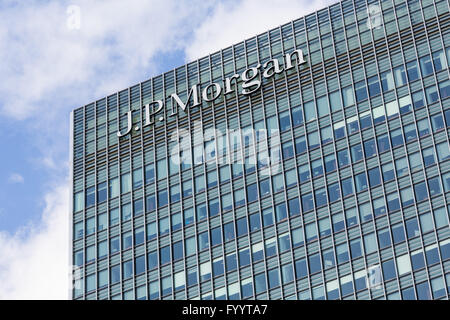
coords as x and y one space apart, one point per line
233 22
16 178
51 69
49 65
34 261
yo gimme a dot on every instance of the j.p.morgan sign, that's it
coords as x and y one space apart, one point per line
251 82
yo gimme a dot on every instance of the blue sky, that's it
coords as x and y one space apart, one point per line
59 55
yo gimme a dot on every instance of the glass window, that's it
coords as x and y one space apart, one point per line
125 181
166 285
115 274
434 185
321 197
304 173
294 207
214 207
405 104
137 178
203 242
244 257
437 284
297 237
365 119
407 196
418 99
324 227
338 222
365 211
421 191
78 201
231 262
343 158
310 111
301 269
260 283
443 151
255 222
326 134
162 198
297 116
423 291
357 153
335 101
356 248
314 263
374 86
149 173
347 95
347 187
328 258
440 217
190 246
439 60
410 132
403 264
313 140
228 230
401 166
342 253
388 172
384 239
285 121
392 109
90 197
101 192
374 177
413 70
307 202
400 76
398 233
361 182
370 243
393 202
426 65
444 89
383 143
300 145
387 81
334 192
396 137
352 124
369 148
412 228
360 90
437 122
126 212
322 106
339 130
432 94
267 217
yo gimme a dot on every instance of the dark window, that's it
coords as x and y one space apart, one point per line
241 226
101 192
90 197
255 222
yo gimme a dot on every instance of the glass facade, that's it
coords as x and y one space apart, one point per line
357 206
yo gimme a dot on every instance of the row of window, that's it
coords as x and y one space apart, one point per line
274 277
